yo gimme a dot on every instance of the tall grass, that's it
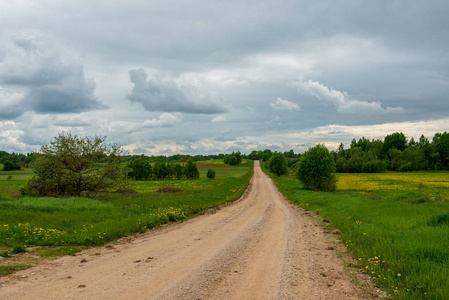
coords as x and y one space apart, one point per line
397 236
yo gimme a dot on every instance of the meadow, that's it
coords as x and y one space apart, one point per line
390 226
55 226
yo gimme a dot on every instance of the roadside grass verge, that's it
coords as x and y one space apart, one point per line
67 225
396 235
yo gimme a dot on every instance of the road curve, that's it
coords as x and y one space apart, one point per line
260 247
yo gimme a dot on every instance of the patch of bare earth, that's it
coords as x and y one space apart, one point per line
260 247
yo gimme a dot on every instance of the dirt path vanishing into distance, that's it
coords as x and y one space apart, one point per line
259 247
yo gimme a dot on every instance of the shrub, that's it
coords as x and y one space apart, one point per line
210 174
10 166
316 169
278 164
233 160
191 170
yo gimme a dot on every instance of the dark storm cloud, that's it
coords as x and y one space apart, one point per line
46 80
168 96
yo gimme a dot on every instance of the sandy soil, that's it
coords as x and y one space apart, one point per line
260 247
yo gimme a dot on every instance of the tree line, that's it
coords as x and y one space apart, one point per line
141 169
70 165
316 167
394 153
14 161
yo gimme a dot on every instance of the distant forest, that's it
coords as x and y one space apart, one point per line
394 153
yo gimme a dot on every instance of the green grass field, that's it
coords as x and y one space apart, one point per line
66 225
391 228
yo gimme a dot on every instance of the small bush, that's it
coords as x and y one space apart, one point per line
10 166
316 169
277 164
210 174
233 160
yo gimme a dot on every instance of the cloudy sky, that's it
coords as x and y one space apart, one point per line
200 77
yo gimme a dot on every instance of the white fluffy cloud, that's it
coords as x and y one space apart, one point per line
282 104
164 120
9 137
341 100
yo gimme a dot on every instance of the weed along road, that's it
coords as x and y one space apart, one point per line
259 247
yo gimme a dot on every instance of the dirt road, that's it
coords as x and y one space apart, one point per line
260 247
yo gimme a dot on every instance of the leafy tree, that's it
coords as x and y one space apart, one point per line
341 152
356 159
140 169
171 169
10 166
210 174
178 171
413 159
238 156
342 165
394 141
395 159
373 166
191 170
156 167
441 142
316 169
163 172
266 155
290 154
70 165
278 164
254 155
233 160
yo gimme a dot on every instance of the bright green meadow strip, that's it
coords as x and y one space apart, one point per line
397 235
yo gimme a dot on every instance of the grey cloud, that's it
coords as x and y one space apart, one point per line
139 150
73 96
10 105
168 96
49 80
248 52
